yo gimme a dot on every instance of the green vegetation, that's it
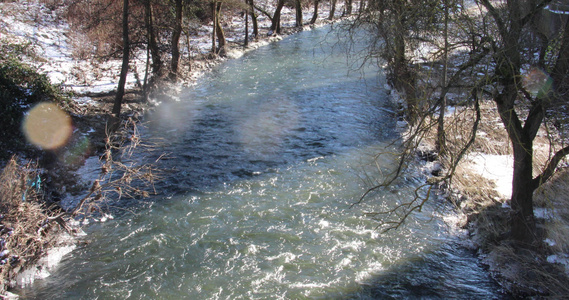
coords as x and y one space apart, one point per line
21 86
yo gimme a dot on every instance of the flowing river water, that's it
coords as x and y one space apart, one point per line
265 157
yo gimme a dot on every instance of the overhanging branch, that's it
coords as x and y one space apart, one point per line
550 169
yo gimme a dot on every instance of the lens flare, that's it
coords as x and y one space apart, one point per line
78 149
47 126
537 82
263 133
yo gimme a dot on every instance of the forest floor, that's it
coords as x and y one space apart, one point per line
482 182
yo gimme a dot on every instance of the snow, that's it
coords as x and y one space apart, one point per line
450 110
51 37
559 258
498 168
44 266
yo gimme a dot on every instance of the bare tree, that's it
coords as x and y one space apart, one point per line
348 8
276 19
501 44
152 43
254 18
298 10
509 94
332 9
125 61
217 29
176 33
315 14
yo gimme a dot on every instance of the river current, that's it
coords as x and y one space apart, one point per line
265 157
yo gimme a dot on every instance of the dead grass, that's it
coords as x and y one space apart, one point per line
552 196
26 225
525 273
521 271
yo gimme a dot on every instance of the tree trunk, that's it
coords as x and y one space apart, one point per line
189 52
152 43
404 78
362 6
125 60
276 24
298 9
246 42
523 223
441 139
315 14
522 220
254 18
214 22
176 41
348 9
332 9
219 30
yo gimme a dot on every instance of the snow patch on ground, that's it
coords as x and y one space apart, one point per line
559 258
498 168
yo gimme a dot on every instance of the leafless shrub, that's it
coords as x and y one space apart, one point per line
121 175
26 222
81 45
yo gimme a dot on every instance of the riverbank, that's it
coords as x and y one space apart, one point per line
481 189
478 190
92 85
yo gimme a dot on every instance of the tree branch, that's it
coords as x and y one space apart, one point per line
534 120
496 16
534 12
550 169
266 13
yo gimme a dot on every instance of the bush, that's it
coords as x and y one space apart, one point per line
21 86
24 221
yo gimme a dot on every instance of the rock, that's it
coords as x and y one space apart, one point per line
427 155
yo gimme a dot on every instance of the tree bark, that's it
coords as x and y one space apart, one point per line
404 78
214 23
332 9
246 42
441 138
522 220
315 14
152 43
276 22
176 40
254 18
125 61
221 42
298 10
362 6
349 7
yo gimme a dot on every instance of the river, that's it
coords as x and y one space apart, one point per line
265 156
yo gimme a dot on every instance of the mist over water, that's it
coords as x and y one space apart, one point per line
266 156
